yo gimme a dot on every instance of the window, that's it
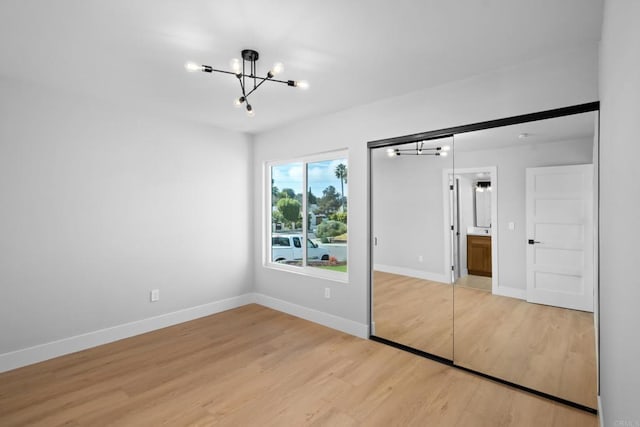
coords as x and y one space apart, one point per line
324 207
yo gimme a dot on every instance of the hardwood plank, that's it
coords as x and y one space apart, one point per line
545 348
414 312
256 366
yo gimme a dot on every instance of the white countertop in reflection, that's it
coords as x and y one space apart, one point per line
478 231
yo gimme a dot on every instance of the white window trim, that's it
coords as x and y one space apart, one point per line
267 212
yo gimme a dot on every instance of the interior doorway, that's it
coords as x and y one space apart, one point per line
472 235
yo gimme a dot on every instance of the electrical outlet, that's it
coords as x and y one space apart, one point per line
155 295
327 293
420 258
512 226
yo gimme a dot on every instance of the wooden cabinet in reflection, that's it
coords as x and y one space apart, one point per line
479 255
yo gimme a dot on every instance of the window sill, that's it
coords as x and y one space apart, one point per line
312 272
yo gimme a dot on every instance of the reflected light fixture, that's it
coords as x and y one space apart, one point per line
420 150
481 186
244 70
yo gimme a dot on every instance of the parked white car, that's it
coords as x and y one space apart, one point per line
288 247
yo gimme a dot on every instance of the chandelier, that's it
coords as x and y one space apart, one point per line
246 72
420 150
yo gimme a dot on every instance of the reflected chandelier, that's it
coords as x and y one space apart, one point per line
420 150
240 70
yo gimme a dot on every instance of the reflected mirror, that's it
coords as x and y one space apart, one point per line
482 203
412 293
523 210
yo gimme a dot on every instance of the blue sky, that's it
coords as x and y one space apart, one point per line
321 175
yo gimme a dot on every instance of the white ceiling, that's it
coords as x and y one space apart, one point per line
576 127
351 52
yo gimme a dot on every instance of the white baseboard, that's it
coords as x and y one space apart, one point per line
42 352
39 353
418 274
351 327
510 292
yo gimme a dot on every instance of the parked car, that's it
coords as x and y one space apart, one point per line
288 247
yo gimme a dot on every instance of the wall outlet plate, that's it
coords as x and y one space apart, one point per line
327 293
155 295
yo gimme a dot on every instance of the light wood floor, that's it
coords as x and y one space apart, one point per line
414 312
545 348
255 366
476 282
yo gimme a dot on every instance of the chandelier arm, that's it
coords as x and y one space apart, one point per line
242 87
247 75
258 85
424 149
243 82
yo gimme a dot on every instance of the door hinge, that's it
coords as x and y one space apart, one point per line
453 268
451 187
452 228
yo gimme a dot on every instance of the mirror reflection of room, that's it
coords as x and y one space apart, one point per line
491 263
531 321
471 207
413 294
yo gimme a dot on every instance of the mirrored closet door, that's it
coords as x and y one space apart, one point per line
524 289
411 278
492 264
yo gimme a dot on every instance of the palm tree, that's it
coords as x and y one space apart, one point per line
341 174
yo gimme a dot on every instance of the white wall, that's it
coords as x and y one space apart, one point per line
408 211
511 164
102 203
408 215
619 214
561 80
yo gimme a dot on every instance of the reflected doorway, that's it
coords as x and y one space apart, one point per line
473 240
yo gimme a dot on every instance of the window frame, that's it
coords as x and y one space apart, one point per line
267 232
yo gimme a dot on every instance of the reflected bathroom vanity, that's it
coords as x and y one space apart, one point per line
483 244
479 254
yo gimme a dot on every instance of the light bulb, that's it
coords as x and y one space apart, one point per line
238 102
236 66
302 84
444 153
391 152
192 67
277 68
480 189
446 148
250 111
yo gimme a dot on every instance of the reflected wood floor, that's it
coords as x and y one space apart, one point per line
255 366
414 312
545 348
476 282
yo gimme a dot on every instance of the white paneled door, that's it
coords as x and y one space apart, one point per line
560 236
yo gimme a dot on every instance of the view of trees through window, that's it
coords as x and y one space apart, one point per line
325 207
